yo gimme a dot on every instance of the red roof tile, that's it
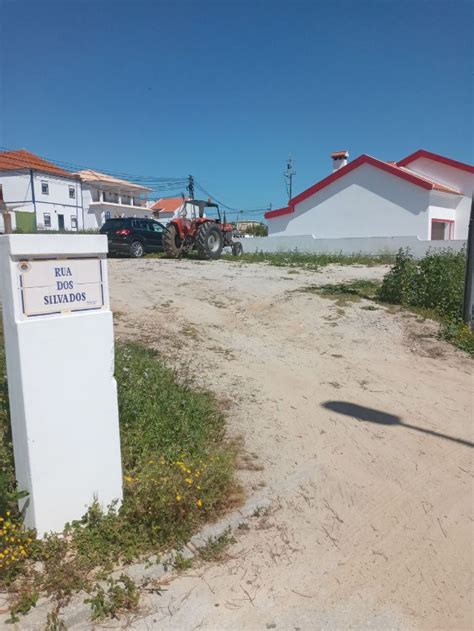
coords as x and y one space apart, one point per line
23 159
167 205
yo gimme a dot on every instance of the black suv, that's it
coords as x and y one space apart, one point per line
133 236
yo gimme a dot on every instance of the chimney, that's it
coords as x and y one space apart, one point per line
339 159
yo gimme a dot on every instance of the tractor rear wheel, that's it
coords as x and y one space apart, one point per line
172 242
209 241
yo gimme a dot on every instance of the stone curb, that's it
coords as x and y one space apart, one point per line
76 615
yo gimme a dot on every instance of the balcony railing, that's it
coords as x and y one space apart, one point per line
119 201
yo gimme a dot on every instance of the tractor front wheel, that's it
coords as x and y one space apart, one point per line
172 242
237 249
209 241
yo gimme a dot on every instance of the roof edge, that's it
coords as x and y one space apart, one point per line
423 153
271 214
411 177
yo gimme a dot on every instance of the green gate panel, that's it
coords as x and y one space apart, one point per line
25 222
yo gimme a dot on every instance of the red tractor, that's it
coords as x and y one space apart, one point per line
192 230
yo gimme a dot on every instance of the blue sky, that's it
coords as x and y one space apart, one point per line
225 90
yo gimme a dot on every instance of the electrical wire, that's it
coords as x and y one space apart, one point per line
70 165
221 203
157 184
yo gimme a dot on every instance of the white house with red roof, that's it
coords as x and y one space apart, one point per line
424 195
43 196
165 208
40 194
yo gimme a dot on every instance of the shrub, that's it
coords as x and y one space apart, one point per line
399 285
435 283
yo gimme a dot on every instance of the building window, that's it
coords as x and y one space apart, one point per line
442 230
72 192
74 223
47 220
45 188
108 214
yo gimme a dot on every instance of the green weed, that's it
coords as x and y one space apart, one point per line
310 262
120 596
216 547
181 563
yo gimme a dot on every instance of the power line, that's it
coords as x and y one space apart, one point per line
81 167
157 184
221 203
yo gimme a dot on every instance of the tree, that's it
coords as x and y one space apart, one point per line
257 230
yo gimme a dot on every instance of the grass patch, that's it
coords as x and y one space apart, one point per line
119 596
344 293
359 288
310 262
178 474
215 549
432 287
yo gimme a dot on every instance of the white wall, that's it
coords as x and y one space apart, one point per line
95 217
57 201
367 202
444 174
92 218
458 179
371 245
18 192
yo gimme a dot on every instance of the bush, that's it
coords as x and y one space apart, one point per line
435 283
399 285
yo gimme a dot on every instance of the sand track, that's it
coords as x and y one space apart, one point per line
371 524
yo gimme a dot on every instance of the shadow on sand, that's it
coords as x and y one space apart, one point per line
371 415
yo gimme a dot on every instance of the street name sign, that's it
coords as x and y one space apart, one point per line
59 347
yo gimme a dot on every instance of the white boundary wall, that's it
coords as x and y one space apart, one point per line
370 245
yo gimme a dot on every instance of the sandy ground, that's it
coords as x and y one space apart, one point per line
371 520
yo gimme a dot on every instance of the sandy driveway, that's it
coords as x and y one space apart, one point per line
371 522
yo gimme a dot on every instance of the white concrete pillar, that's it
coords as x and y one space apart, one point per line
60 362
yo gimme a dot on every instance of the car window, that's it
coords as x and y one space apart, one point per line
155 226
140 224
113 224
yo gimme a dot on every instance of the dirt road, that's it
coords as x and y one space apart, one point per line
361 424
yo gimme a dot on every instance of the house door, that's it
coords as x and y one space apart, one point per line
61 222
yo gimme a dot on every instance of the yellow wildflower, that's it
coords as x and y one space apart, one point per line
199 503
178 498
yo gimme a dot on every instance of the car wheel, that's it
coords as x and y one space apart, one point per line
136 250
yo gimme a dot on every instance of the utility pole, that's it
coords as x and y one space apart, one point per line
288 174
469 282
7 218
190 186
